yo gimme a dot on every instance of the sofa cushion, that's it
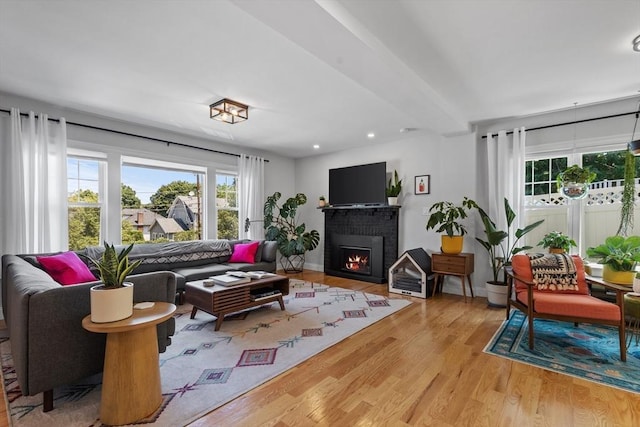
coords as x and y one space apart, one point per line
66 268
244 252
202 271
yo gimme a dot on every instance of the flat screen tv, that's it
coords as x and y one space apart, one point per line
358 185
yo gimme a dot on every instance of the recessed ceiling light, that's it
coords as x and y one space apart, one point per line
316 146
371 135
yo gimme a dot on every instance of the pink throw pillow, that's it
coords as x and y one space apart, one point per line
66 268
244 252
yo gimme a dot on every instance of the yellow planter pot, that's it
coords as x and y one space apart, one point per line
618 277
451 245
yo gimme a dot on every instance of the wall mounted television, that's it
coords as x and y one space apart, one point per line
358 185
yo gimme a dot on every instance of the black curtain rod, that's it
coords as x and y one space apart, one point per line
137 136
571 123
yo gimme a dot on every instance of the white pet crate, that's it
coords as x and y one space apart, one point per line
411 274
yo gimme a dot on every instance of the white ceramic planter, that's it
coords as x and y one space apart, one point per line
497 295
111 305
392 201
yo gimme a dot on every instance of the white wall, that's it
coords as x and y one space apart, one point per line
451 162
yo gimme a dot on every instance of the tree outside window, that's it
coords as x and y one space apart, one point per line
227 206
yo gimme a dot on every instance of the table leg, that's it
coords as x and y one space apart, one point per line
281 301
470 286
435 284
193 312
219 319
131 387
464 290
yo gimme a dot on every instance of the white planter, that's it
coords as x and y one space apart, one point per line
497 295
111 305
392 201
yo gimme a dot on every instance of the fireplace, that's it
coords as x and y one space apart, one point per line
360 242
356 257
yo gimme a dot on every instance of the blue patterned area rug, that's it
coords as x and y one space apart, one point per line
590 352
203 369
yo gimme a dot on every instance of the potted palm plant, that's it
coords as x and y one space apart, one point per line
112 300
557 242
500 252
620 257
281 225
447 218
393 190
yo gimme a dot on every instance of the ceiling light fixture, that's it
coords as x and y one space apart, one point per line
636 43
371 135
229 111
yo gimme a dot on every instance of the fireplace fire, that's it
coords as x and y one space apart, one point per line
356 259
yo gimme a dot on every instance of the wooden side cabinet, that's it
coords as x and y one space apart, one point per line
460 265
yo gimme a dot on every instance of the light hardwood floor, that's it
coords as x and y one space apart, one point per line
423 366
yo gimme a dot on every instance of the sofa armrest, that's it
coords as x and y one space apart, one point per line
270 251
48 343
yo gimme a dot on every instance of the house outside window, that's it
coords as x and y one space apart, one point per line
162 201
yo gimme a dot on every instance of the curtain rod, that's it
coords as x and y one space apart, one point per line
180 144
571 123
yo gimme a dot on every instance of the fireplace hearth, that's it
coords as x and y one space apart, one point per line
361 242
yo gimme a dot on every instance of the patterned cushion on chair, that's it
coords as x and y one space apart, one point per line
522 267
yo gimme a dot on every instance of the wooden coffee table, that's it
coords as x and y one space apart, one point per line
222 300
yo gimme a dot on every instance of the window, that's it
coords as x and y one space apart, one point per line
588 221
85 187
227 206
161 201
540 176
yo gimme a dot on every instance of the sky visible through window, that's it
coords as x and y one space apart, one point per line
83 175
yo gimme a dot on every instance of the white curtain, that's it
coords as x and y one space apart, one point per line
33 159
251 196
505 163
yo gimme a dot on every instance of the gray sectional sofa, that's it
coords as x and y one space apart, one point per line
44 319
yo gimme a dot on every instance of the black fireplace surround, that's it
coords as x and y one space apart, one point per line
372 229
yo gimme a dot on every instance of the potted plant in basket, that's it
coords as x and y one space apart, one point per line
293 239
500 253
446 217
112 300
557 242
620 257
393 189
574 181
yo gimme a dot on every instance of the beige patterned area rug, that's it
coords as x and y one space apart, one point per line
203 369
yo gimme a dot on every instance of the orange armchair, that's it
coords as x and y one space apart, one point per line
576 305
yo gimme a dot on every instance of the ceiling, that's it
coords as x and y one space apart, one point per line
323 72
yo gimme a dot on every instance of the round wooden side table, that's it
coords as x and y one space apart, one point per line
131 387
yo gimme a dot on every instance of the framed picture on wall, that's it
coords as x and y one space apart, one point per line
423 184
